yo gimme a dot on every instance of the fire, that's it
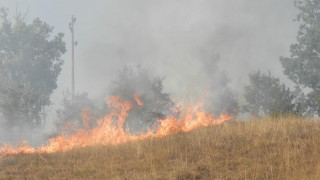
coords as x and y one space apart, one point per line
110 131
137 99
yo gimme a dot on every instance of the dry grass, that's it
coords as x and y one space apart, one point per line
285 148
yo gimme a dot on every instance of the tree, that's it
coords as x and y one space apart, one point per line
303 66
29 66
221 98
70 115
226 102
155 104
265 94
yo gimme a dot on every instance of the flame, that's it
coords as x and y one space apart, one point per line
137 99
108 133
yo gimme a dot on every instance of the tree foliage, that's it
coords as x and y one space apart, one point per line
303 66
265 94
149 89
29 66
221 98
74 108
226 102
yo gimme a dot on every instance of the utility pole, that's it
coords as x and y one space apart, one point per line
71 26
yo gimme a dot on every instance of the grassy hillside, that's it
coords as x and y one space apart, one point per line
286 148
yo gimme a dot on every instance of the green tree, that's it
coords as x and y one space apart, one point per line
70 115
149 89
303 66
265 94
227 102
221 98
29 66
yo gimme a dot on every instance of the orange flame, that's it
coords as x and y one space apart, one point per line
137 99
107 133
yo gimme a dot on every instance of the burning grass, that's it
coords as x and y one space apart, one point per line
110 130
284 148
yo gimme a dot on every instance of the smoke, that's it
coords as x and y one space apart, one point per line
190 42
34 136
169 37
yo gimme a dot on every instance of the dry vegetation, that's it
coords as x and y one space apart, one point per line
284 148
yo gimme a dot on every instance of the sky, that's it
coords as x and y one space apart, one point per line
176 39
168 37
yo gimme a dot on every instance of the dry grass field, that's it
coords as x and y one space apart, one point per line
283 148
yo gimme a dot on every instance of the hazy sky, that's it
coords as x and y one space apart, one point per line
170 37
179 39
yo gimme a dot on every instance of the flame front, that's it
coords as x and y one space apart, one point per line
107 133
